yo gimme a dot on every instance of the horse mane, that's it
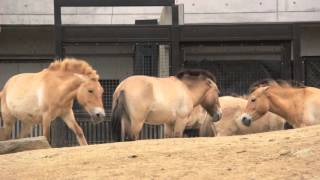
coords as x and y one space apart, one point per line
196 73
74 65
279 83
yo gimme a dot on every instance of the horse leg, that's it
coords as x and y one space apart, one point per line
8 121
135 129
168 130
179 127
71 122
26 127
46 120
125 127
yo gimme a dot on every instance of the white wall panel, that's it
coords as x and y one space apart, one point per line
228 6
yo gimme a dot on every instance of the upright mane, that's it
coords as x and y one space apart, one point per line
196 73
74 65
271 82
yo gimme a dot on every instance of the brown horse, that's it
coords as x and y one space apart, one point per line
298 105
169 101
230 123
41 97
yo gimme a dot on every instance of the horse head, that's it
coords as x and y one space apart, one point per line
89 95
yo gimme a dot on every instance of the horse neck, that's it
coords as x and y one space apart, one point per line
197 90
283 101
70 87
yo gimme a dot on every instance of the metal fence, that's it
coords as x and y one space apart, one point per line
235 77
236 66
312 72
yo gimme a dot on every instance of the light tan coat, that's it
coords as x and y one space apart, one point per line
230 123
169 101
39 98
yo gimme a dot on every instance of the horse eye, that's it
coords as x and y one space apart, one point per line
253 100
90 91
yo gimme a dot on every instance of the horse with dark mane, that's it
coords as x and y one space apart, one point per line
296 103
169 101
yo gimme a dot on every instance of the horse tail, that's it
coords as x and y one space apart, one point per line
117 113
1 94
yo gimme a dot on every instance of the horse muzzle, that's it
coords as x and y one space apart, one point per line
98 115
246 120
217 115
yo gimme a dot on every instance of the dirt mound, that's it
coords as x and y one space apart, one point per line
291 154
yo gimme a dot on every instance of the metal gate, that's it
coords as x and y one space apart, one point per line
312 71
237 66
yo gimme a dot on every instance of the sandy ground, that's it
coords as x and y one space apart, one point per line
291 154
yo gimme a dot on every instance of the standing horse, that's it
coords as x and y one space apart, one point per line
169 101
41 97
298 105
230 123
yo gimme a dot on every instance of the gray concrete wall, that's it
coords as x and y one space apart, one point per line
41 12
9 69
111 62
195 11
114 68
238 11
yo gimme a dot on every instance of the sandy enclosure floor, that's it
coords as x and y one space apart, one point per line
291 154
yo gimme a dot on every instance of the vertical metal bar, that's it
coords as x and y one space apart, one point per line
175 59
175 15
57 29
298 62
286 70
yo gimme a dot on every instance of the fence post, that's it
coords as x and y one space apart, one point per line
298 62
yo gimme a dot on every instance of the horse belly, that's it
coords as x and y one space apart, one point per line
24 108
159 117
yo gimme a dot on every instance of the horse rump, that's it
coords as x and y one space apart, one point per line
116 117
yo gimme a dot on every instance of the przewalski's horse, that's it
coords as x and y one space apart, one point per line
42 97
230 123
169 101
298 105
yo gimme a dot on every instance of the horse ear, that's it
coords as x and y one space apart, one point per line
208 82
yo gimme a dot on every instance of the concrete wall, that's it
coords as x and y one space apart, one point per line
195 11
111 62
41 12
9 69
237 11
